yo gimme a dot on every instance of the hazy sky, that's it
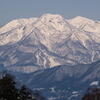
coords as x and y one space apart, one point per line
12 9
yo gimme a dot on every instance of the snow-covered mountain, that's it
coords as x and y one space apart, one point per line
53 54
48 41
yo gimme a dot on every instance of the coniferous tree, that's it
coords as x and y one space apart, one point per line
8 89
92 94
38 95
25 93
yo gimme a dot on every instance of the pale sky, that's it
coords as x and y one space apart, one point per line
14 9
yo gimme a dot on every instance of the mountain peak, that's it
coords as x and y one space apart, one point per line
54 22
51 17
81 19
48 15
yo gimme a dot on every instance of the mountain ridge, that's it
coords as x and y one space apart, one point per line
62 81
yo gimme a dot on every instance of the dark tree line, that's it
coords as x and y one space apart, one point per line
92 94
9 91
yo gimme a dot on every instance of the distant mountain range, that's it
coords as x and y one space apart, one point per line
53 52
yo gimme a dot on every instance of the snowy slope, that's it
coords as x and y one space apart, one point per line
85 24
